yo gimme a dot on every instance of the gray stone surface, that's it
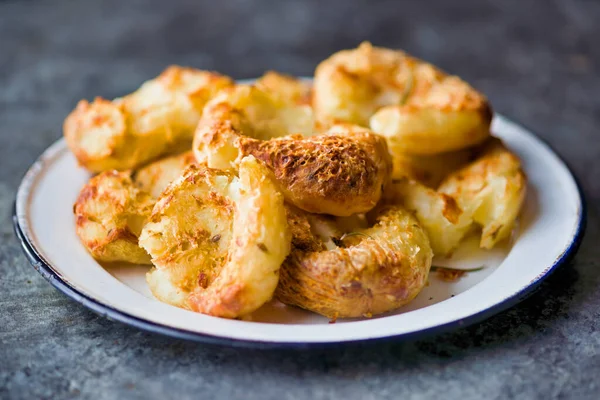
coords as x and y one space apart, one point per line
539 62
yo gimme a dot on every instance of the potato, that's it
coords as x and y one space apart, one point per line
443 220
341 172
285 88
155 177
429 170
217 241
492 189
109 214
420 109
366 272
158 118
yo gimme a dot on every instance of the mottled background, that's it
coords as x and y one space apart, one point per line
538 61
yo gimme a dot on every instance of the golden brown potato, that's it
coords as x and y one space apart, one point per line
155 177
429 170
366 272
341 172
286 88
109 213
443 220
217 241
420 109
157 118
491 189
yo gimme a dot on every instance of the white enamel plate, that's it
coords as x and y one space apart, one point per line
551 228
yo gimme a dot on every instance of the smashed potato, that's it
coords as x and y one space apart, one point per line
429 170
285 88
110 213
155 177
420 109
491 189
341 172
217 241
443 220
362 273
157 118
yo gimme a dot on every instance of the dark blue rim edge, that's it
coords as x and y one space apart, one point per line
41 266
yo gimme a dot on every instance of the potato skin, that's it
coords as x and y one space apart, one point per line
109 214
341 172
158 118
381 269
492 189
217 241
417 107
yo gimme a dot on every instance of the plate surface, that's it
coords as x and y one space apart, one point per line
551 228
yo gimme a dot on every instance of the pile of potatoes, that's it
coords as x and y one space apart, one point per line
332 195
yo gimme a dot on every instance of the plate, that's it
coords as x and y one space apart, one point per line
550 230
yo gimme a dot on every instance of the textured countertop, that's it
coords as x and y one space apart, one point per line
539 63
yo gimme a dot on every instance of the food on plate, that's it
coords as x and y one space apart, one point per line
249 111
340 172
286 88
159 117
420 109
109 215
155 177
217 240
438 213
430 170
488 192
491 189
332 196
351 274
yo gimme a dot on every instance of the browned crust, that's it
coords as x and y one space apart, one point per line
332 173
368 276
108 201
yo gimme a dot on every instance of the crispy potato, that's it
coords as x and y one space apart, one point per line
286 88
341 172
417 107
368 272
443 220
109 213
491 189
245 110
429 170
155 177
157 118
217 241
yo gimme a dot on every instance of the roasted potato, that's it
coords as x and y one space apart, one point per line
109 214
443 220
417 107
362 273
429 170
285 88
157 118
491 189
155 177
341 172
217 241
